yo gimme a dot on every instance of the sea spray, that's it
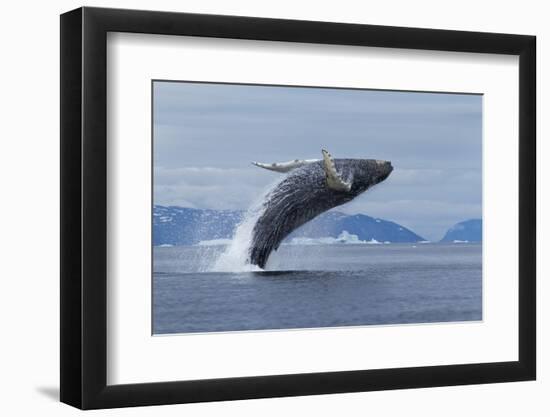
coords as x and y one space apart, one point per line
236 256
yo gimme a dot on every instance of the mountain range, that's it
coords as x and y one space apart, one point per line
466 231
176 226
188 226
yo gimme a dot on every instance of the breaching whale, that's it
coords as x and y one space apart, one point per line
311 187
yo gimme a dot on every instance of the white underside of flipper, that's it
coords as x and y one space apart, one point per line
334 180
285 166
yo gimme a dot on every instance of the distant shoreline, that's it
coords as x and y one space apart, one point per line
428 243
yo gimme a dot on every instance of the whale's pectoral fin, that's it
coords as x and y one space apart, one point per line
334 179
285 166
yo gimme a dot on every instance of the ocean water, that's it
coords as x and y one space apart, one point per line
312 286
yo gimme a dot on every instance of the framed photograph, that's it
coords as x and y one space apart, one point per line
257 208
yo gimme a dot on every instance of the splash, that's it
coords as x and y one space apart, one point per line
236 256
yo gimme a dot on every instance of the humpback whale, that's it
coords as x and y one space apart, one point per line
311 187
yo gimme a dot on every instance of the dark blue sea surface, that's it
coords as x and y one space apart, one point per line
313 286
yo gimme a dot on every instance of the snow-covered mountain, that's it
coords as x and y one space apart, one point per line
466 231
366 228
187 226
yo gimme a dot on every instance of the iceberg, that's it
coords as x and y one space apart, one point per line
343 238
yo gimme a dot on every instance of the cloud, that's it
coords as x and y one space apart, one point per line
210 187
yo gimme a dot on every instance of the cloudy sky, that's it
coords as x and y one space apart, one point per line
206 135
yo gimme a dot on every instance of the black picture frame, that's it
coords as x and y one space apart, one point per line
84 207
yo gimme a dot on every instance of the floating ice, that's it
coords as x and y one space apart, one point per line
343 238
